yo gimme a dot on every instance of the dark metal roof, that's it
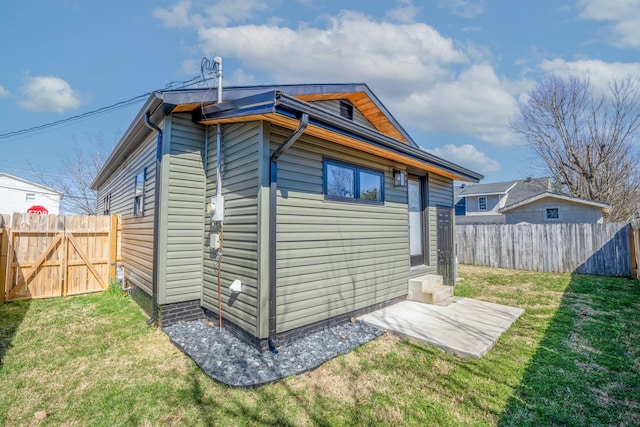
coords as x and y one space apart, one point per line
484 189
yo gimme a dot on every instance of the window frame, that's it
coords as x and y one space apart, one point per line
423 259
356 182
138 198
545 211
346 109
30 197
480 208
106 205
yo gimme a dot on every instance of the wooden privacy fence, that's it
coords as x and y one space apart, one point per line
602 249
635 248
44 256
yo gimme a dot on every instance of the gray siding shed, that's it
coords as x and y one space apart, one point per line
570 213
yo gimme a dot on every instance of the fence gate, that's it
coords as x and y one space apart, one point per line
55 255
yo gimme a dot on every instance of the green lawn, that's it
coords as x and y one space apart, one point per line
573 358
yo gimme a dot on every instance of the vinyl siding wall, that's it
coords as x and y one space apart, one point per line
183 212
240 176
333 106
137 232
334 257
570 213
473 205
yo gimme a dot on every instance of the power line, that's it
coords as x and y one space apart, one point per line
73 118
121 104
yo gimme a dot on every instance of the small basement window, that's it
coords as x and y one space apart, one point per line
346 110
138 196
482 203
552 213
106 205
347 182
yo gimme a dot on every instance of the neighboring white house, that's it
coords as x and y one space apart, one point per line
18 195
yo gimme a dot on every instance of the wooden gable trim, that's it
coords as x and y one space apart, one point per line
365 105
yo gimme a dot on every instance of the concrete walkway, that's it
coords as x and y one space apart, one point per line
466 326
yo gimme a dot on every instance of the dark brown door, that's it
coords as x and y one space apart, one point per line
445 245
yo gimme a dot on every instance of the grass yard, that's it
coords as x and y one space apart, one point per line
573 358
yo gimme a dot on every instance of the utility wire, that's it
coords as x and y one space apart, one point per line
102 110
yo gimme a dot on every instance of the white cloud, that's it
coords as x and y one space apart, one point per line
599 73
226 11
49 93
427 80
624 16
405 12
177 16
399 58
477 102
221 13
464 8
3 92
468 156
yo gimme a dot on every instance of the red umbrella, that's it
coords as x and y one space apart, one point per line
37 209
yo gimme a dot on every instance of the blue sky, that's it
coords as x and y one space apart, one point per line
451 71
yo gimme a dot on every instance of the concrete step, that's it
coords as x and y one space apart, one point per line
425 283
429 289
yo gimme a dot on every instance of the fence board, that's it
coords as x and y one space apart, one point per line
4 243
634 235
602 249
54 255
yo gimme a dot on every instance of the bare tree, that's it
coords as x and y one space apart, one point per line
585 141
77 172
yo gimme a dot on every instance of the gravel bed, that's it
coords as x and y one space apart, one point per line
231 361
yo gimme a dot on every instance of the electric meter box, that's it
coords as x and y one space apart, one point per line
217 206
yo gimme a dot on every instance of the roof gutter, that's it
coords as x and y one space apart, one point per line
156 219
273 204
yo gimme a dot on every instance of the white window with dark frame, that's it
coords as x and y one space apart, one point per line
347 182
482 203
551 213
30 197
138 196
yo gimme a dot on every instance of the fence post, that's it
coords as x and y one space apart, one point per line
4 236
634 243
113 246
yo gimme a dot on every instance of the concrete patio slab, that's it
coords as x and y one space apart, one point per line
466 327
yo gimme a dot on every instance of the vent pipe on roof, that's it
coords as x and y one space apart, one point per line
218 61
